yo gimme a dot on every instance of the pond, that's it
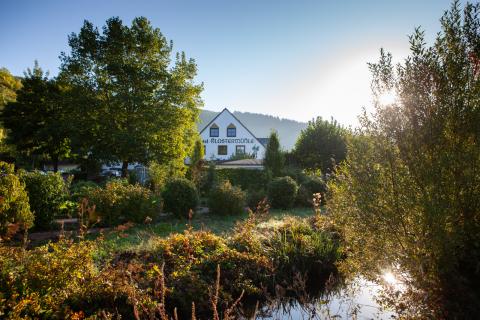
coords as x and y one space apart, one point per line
354 300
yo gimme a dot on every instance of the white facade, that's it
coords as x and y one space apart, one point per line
225 136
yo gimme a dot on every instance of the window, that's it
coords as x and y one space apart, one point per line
231 131
240 149
222 150
214 130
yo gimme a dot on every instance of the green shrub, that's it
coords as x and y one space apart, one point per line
308 188
47 193
298 246
282 192
254 196
244 178
80 189
14 205
179 196
119 202
226 199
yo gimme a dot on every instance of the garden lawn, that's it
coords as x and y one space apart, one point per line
137 237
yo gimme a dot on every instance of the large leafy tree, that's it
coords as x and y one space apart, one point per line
8 93
320 145
8 87
132 103
408 197
36 121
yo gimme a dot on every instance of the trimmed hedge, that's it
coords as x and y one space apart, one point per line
226 199
244 178
282 192
179 196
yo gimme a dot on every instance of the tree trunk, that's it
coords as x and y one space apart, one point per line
55 163
124 169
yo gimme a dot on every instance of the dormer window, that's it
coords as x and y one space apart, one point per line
214 131
231 130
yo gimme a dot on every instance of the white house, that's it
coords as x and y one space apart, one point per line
225 136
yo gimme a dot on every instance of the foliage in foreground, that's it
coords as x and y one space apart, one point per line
408 197
62 280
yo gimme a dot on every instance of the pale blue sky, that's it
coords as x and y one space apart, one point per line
293 59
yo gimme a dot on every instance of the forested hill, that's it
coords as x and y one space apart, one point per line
261 125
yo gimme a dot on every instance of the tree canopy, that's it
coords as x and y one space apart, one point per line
133 104
407 198
321 145
36 121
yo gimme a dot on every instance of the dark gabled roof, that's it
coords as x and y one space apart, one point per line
264 141
225 109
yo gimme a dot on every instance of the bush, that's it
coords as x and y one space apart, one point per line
282 192
244 178
179 196
47 193
226 199
308 188
254 196
14 207
120 202
81 189
36 283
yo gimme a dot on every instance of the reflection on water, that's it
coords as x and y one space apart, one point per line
356 300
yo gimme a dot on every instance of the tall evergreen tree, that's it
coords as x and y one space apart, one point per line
140 108
274 160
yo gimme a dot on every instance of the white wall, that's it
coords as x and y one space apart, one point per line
243 138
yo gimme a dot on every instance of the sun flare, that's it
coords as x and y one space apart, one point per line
387 98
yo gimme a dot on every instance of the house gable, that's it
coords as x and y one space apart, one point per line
243 141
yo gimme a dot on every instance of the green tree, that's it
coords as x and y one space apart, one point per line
196 162
9 85
407 197
36 121
274 160
321 145
141 108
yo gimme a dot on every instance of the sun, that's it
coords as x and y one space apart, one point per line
389 278
387 98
